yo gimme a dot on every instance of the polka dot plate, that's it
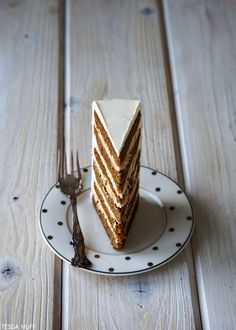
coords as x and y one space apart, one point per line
162 226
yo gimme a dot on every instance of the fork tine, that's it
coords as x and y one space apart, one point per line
64 171
58 165
71 163
78 166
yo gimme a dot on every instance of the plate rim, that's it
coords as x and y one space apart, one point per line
144 270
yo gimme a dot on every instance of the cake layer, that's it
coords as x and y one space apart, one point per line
100 142
118 159
116 213
116 228
117 240
107 187
119 194
118 172
119 211
118 189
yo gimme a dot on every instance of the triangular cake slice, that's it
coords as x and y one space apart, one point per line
116 164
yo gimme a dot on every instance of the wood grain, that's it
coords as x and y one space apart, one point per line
28 113
202 43
117 52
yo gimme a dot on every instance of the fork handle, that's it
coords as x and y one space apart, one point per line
79 259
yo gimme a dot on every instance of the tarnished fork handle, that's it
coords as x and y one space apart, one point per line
80 259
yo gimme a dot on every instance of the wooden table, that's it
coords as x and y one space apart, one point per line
178 57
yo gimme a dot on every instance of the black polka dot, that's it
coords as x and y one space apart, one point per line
71 243
85 170
189 218
63 202
150 264
111 269
44 210
155 248
15 198
179 191
158 189
154 173
178 244
127 258
57 186
50 237
172 208
171 229
60 223
96 256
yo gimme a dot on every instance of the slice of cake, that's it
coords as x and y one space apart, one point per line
116 165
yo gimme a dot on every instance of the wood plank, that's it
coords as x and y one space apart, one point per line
28 125
117 52
202 43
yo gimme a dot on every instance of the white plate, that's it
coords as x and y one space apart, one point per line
162 226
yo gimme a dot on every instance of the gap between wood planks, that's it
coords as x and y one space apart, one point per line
177 150
58 270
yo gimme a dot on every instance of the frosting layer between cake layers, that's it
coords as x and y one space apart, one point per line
116 165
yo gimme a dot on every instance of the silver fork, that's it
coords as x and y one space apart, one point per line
71 185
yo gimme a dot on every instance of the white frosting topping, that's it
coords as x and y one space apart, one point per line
117 117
